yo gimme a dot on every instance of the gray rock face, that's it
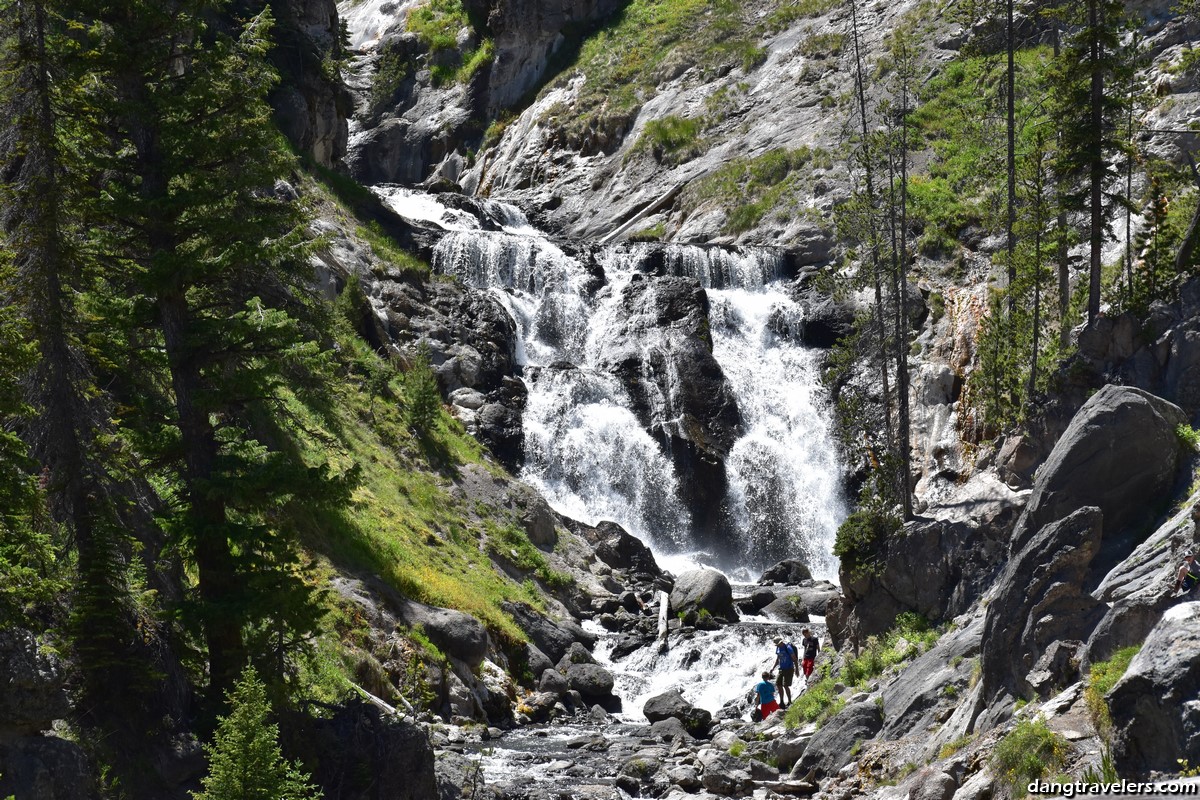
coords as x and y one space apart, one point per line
1039 599
934 568
662 353
672 705
704 590
829 748
32 685
552 638
46 768
913 702
459 635
1119 454
1154 707
311 109
528 33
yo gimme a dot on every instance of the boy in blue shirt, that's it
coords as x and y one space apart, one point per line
766 696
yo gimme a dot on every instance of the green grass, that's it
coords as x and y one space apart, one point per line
818 703
405 524
1029 751
910 637
788 14
672 133
954 745
820 45
388 251
621 62
960 121
750 188
1102 678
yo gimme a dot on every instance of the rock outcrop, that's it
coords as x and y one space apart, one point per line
660 350
1154 708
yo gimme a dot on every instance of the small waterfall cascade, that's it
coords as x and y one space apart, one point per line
585 448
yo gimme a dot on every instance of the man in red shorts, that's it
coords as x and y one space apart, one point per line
811 645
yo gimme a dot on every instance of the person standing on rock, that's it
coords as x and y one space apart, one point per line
1189 575
766 696
811 645
785 661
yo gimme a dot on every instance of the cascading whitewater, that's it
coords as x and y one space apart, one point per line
586 450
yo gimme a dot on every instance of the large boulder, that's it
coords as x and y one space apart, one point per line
704 590
936 568
359 753
595 684
672 705
457 634
46 768
790 570
830 747
1120 454
616 547
1154 707
1039 599
554 638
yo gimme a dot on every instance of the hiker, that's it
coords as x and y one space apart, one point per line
1189 575
766 696
811 645
785 661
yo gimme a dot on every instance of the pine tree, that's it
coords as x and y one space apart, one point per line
69 429
212 290
1090 118
244 760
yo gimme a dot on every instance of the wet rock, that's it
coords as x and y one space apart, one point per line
661 351
673 705
704 590
787 609
669 729
790 571
1154 709
551 637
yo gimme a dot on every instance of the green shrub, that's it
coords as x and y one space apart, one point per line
672 133
1188 436
954 745
1029 751
1101 680
860 541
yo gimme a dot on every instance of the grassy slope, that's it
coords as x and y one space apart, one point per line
406 525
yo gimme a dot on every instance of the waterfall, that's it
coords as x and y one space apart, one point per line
586 449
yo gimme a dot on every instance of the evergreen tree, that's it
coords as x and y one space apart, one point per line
68 432
1090 119
244 760
211 271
